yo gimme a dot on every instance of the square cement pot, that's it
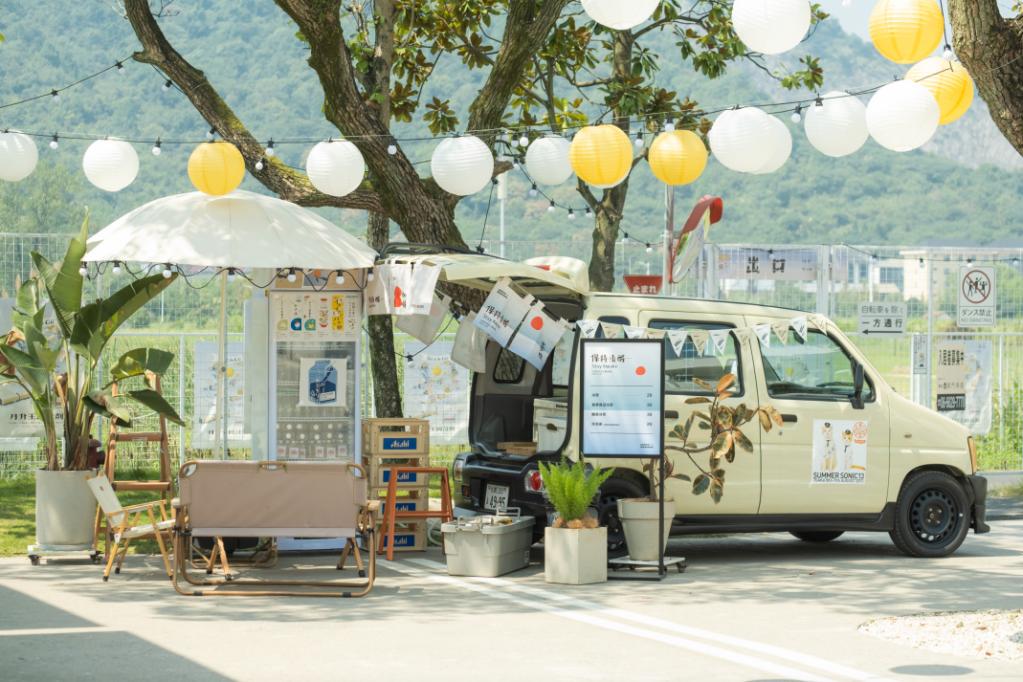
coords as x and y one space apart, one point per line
575 556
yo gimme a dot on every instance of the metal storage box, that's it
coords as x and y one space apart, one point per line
487 546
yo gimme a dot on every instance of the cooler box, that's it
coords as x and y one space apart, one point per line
487 546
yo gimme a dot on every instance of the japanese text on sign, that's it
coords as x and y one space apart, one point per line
882 318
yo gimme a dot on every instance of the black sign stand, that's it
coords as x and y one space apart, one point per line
662 562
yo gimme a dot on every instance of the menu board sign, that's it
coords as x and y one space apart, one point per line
622 404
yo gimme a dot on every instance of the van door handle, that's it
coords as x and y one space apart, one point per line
671 414
789 418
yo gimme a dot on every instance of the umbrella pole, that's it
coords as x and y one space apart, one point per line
221 421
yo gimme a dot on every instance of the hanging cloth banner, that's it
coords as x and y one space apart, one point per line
719 338
678 337
610 330
421 290
470 349
635 332
502 312
655 333
588 328
536 338
375 294
799 325
396 286
781 329
763 332
425 327
700 339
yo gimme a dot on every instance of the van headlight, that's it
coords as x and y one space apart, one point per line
972 446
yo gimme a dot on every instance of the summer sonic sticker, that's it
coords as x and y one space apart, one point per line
839 452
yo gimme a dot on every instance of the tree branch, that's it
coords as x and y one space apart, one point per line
287 183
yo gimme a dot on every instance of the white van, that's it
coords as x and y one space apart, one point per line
916 470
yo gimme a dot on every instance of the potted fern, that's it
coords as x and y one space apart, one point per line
575 547
58 370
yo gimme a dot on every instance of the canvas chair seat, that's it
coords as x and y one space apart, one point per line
128 523
147 529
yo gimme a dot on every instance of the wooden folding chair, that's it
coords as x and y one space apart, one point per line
132 522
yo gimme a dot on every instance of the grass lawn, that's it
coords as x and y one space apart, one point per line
18 513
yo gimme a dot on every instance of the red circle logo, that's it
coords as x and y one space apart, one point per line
640 371
536 323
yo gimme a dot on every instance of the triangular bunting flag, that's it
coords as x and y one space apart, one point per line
799 327
719 337
635 332
700 339
587 328
781 330
655 333
763 332
610 329
678 337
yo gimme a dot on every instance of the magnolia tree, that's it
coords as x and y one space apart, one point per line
544 65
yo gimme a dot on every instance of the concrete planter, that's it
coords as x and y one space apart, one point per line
640 520
65 510
575 556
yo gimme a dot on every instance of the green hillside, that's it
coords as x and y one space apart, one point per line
254 58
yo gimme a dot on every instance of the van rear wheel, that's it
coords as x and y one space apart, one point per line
615 489
817 536
931 515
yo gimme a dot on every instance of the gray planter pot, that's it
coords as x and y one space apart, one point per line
65 510
639 519
575 557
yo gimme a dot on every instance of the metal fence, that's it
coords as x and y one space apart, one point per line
831 280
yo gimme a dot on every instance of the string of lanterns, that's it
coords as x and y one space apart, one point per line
901 116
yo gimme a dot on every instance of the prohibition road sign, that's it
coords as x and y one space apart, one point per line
977 286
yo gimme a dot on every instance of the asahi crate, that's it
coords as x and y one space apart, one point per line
375 464
409 536
407 500
395 436
381 478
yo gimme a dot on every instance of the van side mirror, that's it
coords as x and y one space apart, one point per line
858 381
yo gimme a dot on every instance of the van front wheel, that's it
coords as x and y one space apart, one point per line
931 515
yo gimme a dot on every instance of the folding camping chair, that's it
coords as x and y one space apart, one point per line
130 523
272 499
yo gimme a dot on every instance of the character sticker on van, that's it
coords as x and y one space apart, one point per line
839 451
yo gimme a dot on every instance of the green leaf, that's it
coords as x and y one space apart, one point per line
106 405
701 484
28 368
742 441
716 491
64 284
139 361
681 477
156 402
98 321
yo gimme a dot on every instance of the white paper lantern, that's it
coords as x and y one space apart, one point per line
111 165
903 116
781 147
838 127
743 140
18 156
462 165
621 15
335 168
547 160
771 26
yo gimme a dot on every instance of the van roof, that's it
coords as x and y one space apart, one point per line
649 301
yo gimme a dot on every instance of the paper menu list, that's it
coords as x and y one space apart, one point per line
315 315
622 399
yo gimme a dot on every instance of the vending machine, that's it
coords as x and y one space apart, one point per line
314 368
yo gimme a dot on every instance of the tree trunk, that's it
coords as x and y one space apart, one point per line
991 49
386 394
605 235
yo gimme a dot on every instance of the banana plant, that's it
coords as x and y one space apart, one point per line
59 371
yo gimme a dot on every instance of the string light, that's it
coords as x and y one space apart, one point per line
571 214
211 133
55 142
120 68
639 140
524 140
156 147
292 276
534 191
797 115
260 165
270 152
83 271
339 277
166 271
117 267
392 149
552 207
55 95
231 274
167 84
649 249
669 125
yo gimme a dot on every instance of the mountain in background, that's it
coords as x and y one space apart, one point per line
964 189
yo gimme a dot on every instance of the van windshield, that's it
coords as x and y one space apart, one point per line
815 369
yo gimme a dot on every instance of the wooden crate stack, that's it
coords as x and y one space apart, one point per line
399 442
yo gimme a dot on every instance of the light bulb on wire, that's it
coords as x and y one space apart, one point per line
571 214
166 271
533 191
117 267
83 271
55 96
270 152
55 142
797 115
669 125
292 276
231 274
339 277
947 53
524 140
639 140
120 68
260 165
392 149
167 84
649 249
552 207
156 147
211 133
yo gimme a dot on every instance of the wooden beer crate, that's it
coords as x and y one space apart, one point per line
395 437
409 536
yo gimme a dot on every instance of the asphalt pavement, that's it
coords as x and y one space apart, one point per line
751 607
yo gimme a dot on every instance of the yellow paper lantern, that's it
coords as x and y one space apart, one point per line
906 31
216 168
678 157
601 155
948 82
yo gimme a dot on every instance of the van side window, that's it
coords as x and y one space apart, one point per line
509 368
681 370
817 369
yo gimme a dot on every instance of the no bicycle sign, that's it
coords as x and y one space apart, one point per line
976 297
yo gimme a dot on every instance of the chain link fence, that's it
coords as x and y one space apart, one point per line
831 280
